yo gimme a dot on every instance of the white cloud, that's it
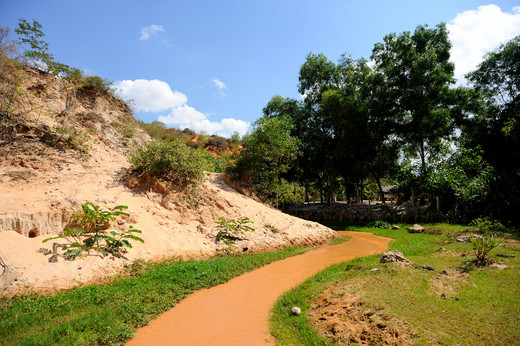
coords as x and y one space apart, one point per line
150 95
219 84
186 116
148 31
475 32
155 96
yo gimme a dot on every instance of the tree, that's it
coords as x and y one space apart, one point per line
495 126
9 72
269 151
418 73
37 50
463 182
318 76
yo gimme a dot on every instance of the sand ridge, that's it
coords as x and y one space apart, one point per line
42 185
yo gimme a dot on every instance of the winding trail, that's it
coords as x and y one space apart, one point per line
237 312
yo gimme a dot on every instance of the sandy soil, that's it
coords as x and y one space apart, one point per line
42 185
236 313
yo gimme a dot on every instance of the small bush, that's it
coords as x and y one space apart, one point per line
92 233
486 225
71 138
171 160
379 224
481 247
218 142
96 84
228 227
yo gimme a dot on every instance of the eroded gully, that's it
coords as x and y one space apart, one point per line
237 312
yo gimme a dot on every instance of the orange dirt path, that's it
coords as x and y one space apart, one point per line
237 312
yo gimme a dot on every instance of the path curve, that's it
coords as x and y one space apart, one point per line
237 312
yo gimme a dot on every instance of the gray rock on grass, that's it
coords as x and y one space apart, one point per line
393 257
416 229
467 238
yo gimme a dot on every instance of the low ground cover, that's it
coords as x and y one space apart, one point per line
364 301
108 313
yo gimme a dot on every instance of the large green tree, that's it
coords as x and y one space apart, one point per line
495 127
418 72
269 151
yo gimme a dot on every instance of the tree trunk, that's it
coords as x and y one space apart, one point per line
423 157
381 193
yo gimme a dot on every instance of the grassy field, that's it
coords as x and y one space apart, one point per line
365 301
109 313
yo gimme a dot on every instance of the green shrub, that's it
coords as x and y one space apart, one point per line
482 246
96 84
486 225
93 234
228 227
379 224
172 160
72 138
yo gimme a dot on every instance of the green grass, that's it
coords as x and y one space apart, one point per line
339 240
482 309
109 313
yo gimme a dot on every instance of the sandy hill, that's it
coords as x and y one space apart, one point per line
60 149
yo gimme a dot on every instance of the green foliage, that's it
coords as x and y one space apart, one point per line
487 225
172 160
159 131
72 138
417 69
217 164
37 50
482 246
268 153
379 224
289 192
92 233
10 73
462 182
218 142
95 84
493 126
227 229
235 137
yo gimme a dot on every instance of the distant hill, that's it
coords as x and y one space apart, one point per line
213 144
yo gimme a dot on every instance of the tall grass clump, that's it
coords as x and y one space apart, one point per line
171 160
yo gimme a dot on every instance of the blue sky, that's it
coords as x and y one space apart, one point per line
213 65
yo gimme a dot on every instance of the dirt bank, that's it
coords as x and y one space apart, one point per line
51 163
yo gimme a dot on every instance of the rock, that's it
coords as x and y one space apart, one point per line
296 311
44 251
428 268
416 229
463 239
499 266
467 238
393 257
505 255
395 227
441 249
